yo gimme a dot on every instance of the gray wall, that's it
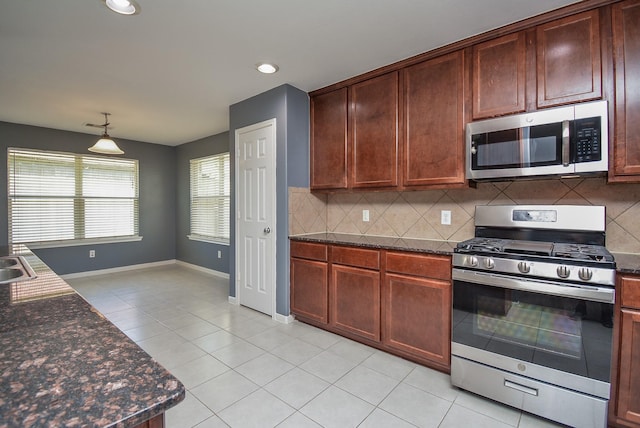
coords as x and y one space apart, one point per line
290 107
157 182
196 252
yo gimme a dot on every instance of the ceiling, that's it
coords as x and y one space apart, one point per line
169 74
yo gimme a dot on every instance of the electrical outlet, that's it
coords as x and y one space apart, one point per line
219 254
445 217
92 253
365 215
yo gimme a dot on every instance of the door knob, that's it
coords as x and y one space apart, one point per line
267 229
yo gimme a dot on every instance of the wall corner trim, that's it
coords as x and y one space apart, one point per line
284 319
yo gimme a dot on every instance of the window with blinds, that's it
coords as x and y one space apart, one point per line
210 203
70 199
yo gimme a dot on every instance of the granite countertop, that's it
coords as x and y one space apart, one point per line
64 364
380 242
625 263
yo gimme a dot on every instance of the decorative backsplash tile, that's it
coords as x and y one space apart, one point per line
416 214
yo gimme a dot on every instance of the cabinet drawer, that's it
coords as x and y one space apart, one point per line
420 265
306 250
359 257
630 292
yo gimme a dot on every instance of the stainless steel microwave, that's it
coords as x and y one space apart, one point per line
564 141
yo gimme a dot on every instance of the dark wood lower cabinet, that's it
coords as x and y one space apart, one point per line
624 409
355 301
155 422
629 381
399 302
416 305
309 297
309 273
417 317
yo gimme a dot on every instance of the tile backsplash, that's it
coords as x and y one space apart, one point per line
416 214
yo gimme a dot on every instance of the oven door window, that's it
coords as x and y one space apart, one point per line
533 146
562 333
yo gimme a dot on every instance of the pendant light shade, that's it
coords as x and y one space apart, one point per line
105 145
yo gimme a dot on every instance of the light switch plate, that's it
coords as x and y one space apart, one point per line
365 215
445 217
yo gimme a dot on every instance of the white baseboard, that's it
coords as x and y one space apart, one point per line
117 269
145 266
233 300
203 269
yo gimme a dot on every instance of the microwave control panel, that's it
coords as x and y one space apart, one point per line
586 145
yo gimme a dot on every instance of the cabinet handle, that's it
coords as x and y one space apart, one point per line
521 388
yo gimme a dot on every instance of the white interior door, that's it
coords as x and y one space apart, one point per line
256 216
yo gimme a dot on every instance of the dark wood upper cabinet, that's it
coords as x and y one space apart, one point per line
626 57
329 140
373 130
499 76
568 60
434 95
402 127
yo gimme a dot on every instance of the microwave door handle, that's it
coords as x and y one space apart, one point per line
566 143
525 141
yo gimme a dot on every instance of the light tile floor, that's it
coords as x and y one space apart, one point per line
242 369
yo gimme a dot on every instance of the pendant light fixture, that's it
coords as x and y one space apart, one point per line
105 145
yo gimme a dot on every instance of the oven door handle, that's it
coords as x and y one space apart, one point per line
591 293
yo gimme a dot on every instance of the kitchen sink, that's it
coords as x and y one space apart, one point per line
14 269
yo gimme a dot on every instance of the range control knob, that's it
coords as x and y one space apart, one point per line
472 261
563 272
489 263
585 274
524 267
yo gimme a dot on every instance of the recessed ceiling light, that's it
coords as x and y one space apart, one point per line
123 7
266 68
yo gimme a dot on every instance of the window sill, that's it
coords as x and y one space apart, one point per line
80 242
220 241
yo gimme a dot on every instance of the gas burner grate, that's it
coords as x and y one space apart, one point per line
582 252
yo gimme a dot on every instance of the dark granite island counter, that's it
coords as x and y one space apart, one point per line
63 364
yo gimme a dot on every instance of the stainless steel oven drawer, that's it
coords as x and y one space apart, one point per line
549 401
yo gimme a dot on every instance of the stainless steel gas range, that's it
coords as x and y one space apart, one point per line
533 296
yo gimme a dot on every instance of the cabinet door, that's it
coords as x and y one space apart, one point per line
309 289
626 52
355 301
417 317
568 60
329 140
499 76
434 118
374 132
629 369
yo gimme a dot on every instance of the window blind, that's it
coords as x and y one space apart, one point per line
69 197
210 203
